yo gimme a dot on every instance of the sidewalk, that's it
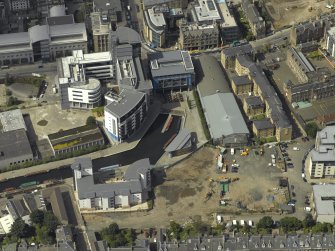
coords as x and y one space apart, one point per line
153 113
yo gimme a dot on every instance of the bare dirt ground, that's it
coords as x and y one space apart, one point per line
180 192
288 12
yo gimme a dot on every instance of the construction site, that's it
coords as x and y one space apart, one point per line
289 12
196 187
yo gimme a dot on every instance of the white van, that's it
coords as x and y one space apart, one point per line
307 209
232 151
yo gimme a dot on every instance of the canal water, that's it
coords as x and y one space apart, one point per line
150 146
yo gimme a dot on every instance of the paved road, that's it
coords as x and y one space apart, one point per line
24 70
277 38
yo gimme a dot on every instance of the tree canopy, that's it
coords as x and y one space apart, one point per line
265 223
117 237
290 224
311 129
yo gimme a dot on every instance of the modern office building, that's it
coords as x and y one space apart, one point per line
19 5
207 12
81 66
42 42
86 94
124 113
155 26
321 161
330 41
171 70
110 10
199 37
131 190
256 21
299 64
224 118
100 32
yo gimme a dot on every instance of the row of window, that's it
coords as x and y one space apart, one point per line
20 161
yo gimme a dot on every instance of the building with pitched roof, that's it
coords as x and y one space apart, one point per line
132 190
256 21
320 241
299 64
224 118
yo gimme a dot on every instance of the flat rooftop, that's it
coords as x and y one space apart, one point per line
324 197
75 136
170 63
11 121
156 18
206 10
14 144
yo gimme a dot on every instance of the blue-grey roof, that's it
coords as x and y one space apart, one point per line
170 63
223 115
241 80
87 188
254 101
238 50
128 100
263 124
269 94
210 77
136 169
182 139
302 61
126 35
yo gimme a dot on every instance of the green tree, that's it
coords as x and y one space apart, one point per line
265 224
20 229
37 217
176 230
289 224
308 221
12 101
42 235
91 120
322 228
311 129
50 222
